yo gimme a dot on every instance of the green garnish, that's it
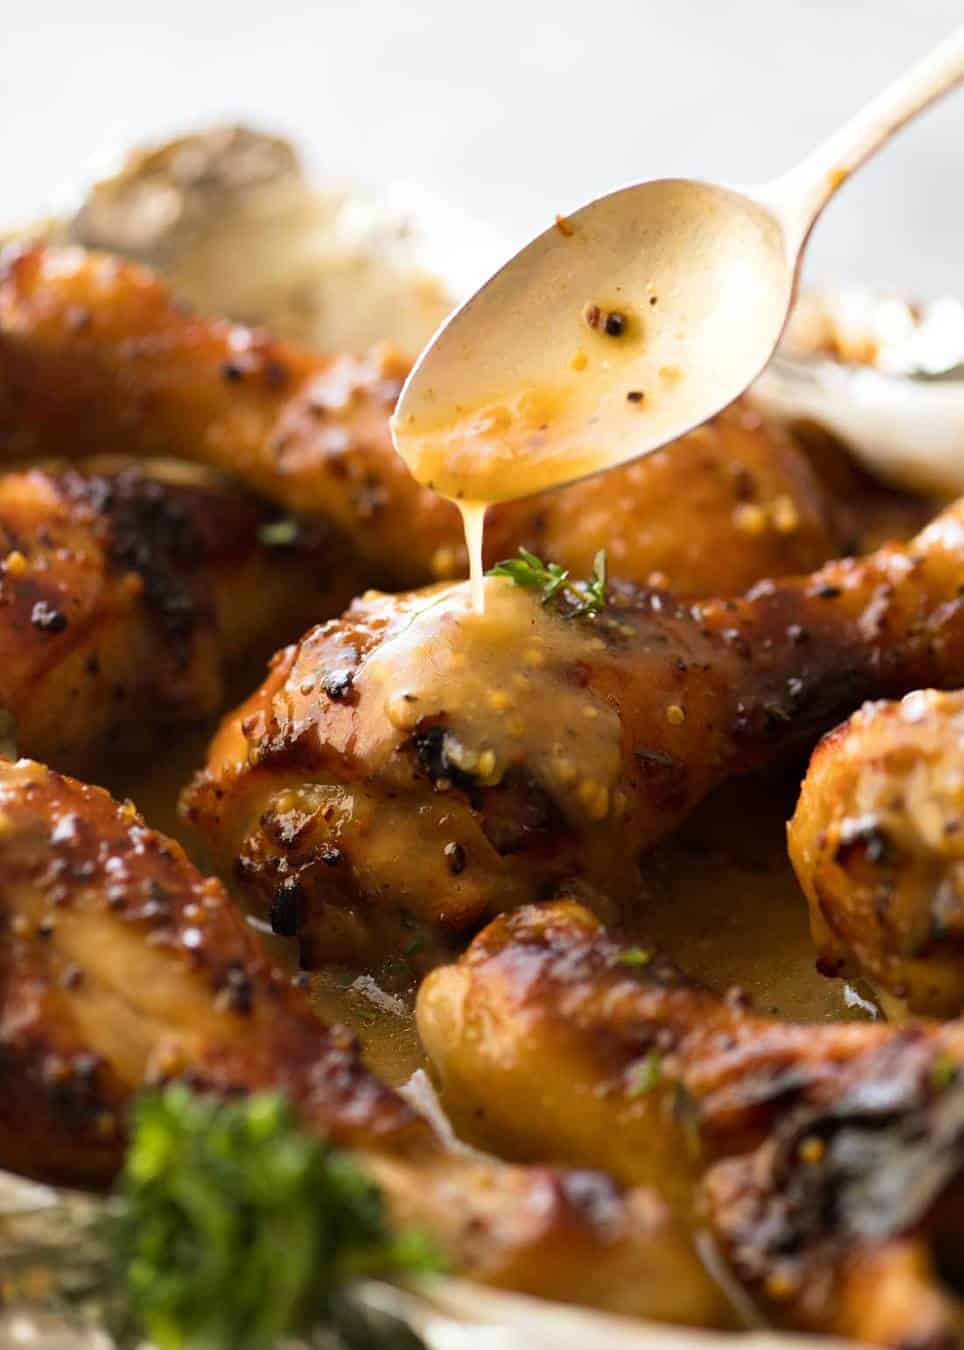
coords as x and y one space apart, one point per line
234 1228
532 574
552 581
634 956
593 591
644 1075
279 533
943 1072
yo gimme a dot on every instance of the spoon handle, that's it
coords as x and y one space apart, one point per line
799 196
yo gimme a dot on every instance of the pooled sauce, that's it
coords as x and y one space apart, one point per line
719 898
499 672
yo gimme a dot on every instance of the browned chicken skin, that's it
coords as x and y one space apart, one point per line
120 965
711 514
417 761
877 841
95 357
410 769
835 1153
127 593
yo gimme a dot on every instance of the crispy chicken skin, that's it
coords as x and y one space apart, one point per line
877 841
416 761
95 357
835 1152
127 592
711 514
620 1057
120 965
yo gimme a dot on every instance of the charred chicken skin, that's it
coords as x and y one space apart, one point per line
120 966
95 357
414 767
127 593
419 762
877 841
835 1153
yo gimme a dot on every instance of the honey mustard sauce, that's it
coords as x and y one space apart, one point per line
598 392
500 673
473 523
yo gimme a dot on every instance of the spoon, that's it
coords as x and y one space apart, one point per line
631 321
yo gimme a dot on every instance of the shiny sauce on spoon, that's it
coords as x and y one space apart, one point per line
591 398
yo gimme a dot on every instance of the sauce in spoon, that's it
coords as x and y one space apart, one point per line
599 385
675 275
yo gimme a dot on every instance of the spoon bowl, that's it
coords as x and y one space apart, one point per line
616 330
631 321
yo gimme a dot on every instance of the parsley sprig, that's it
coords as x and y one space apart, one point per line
231 1229
236 1227
645 1075
283 533
552 582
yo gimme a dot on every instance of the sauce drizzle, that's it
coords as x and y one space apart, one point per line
473 523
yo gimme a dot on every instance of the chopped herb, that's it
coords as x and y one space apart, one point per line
593 591
552 581
634 956
279 533
943 1072
413 947
235 1229
644 1075
532 574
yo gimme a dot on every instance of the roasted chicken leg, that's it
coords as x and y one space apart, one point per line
128 592
419 763
120 966
877 841
835 1153
95 357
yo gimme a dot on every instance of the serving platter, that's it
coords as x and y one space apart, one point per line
232 217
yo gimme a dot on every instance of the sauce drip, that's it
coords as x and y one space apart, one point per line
594 400
473 523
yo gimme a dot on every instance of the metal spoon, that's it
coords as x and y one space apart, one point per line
632 321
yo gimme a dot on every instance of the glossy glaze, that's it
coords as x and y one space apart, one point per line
129 593
877 841
825 1157
121 965
96 357
547 749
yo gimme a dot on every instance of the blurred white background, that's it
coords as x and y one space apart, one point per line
510 110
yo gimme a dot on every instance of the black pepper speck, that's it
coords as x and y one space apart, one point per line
47 618
339 685
455 857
